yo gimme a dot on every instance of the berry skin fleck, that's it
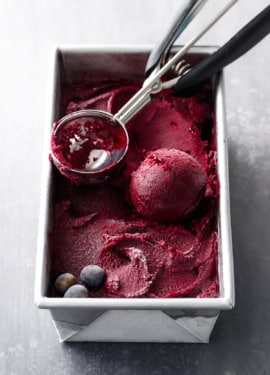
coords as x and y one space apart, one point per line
63 282
92 276
76 291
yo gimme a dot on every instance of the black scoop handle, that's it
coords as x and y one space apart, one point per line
251 34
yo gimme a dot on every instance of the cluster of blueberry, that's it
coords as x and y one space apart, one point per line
92 276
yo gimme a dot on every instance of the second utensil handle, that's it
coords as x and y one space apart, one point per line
187 11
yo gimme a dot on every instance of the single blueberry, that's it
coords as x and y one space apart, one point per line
92 275
63 282
76 291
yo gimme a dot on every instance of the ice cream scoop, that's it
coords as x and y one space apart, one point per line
87 144
167 186
85 154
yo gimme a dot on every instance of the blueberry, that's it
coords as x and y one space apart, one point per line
92 276
76 291
63 282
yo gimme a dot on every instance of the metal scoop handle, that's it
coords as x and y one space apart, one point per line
153 83
251 34
184 16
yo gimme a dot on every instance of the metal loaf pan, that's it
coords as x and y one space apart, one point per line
119 319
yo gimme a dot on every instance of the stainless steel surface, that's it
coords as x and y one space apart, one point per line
181 68
159 53
192 12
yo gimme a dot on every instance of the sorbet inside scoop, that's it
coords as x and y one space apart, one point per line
167 186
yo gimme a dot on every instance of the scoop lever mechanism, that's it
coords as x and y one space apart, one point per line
154 84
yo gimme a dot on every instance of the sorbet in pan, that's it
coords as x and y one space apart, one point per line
152 226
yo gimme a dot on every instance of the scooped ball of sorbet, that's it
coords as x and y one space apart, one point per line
167 186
